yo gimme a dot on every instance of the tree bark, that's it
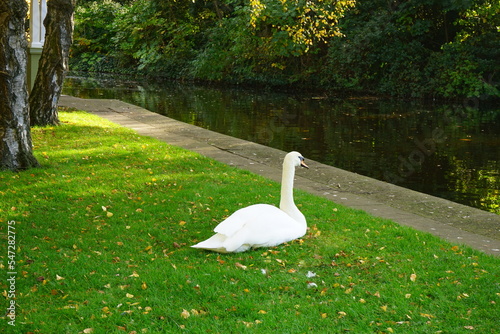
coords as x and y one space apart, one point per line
53 63
16 150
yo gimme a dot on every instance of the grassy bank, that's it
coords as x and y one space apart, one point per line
103 231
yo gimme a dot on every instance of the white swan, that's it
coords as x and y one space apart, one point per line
262 225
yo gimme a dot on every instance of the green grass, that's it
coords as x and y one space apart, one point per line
103 231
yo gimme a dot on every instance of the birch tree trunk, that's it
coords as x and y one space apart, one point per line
53 63
16 150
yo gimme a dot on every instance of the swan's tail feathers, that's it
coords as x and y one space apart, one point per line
214 243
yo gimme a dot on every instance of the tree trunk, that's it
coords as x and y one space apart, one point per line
53 63
16 150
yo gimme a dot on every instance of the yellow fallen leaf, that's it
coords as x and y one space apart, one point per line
413 277
129 295
88 330
144 286
185 314
182 223
383 308
58 278
425 315
109 214
341 314
262 312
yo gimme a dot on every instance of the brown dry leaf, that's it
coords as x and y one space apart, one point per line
239 265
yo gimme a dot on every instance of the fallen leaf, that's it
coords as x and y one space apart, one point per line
144 286
185 314
58 278
88 330
262 312
239 265
109 214
413 277
129 295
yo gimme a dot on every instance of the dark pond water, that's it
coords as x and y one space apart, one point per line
449 151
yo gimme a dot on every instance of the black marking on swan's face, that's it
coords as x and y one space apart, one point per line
302 163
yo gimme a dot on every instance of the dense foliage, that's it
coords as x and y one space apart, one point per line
416 48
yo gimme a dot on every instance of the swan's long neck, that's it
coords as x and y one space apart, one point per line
286 202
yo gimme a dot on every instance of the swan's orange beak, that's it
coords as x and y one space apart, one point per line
303 164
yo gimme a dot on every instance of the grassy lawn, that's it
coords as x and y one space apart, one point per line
103 231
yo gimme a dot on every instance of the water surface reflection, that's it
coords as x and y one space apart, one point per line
449 151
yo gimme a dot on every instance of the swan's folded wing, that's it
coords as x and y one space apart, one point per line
241 217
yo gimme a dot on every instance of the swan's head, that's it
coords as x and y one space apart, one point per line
296 159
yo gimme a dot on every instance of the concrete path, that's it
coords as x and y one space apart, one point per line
451 221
